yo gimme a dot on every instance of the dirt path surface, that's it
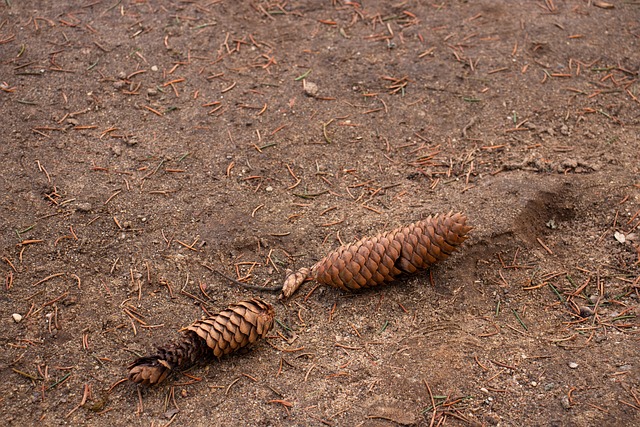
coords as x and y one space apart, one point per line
146 142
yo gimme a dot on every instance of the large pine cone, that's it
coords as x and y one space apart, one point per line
380 259
237 326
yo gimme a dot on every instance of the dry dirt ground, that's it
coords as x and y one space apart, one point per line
144 140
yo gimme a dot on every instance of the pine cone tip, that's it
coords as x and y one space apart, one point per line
148 371
293 281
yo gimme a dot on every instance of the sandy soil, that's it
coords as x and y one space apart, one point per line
144 141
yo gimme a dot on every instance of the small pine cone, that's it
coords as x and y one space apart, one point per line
381 259
237 326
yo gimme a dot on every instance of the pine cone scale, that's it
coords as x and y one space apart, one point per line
345 275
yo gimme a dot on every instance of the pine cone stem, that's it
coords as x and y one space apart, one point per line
381 259
239 325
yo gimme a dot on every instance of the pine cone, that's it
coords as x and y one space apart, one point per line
381 259
237 326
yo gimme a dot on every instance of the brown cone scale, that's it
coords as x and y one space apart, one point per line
238 326
381 259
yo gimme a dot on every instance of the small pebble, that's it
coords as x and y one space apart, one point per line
131 141
117 150
269 188
600 338
17 317
492 419
566 404
573 365
620 237
586 311
84 207
570 163
170 413
310 89
154 68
